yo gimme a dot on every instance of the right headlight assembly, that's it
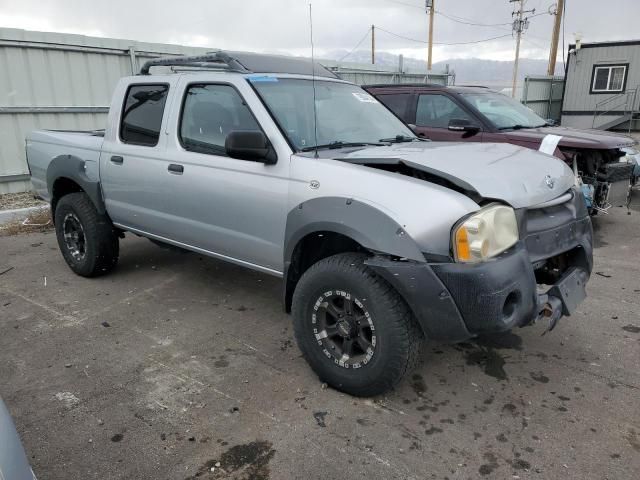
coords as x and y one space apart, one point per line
485 234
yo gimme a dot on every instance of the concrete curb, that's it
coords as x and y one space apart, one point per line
19 213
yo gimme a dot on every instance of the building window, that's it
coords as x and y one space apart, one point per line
609 78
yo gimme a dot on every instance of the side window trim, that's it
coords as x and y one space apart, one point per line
124 103
183 104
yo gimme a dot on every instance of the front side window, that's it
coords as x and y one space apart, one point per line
344 113
209 114
608 78
142 114
503 112
436 111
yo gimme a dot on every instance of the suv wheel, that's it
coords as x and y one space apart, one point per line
353 328
86 239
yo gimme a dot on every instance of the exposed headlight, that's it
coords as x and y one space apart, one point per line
485 234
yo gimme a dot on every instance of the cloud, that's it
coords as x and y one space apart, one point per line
283 25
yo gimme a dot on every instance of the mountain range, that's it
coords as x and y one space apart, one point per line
493 73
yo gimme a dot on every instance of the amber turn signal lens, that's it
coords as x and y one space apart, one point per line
462 245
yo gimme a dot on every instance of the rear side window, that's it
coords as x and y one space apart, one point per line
210 112
398 103
142 114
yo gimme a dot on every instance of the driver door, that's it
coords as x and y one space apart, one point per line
234 209
434 113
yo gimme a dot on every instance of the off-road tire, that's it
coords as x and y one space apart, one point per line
101 246
399 337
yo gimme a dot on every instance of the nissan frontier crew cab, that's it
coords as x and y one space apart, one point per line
382 239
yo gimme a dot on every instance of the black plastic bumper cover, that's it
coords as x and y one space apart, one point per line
455 301
496 295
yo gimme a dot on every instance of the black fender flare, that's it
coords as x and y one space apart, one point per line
365 224
397 258
73 168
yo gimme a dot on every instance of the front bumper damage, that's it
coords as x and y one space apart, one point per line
543 276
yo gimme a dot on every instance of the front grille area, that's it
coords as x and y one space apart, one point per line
551 231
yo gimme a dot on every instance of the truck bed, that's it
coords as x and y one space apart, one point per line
45 145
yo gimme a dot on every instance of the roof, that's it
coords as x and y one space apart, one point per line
429 86
620 43
242 62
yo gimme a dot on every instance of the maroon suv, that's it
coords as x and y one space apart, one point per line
478 114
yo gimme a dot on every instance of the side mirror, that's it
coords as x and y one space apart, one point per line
250 145
463 125
414 129
551 122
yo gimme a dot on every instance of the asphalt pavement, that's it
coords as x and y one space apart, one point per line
177 366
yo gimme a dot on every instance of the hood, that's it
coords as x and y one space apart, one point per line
572 137
516 175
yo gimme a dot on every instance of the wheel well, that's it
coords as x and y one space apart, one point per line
61 187
311 249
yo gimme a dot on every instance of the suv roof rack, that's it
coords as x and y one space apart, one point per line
241 62
218 59
415 84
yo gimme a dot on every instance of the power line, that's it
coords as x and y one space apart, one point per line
441 43
357 45
470 22
454 18
421 7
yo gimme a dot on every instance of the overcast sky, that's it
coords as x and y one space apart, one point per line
283 25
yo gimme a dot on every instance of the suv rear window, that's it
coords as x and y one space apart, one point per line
398 103
142 114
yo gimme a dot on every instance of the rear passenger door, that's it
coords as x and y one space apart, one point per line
234 209
131 169
435 112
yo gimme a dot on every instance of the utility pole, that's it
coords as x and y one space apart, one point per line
373 44
553 53
519 25
430 4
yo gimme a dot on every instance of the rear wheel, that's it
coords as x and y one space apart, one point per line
87 239
353 328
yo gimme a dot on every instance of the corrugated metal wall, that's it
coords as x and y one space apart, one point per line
577 97
59 81
543 95
62 81
370 77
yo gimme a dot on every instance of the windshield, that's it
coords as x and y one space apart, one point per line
346 114
504 112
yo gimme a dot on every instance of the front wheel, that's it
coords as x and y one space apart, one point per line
87 239
353 328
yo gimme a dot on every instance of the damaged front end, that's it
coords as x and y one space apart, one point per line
603 176
541 277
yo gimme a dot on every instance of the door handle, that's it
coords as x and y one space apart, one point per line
175 169
117 159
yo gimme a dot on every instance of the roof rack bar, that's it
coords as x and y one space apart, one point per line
195 61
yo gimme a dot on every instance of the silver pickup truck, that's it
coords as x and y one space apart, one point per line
382 239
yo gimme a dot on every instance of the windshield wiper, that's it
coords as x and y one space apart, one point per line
339 144
515 127
400 139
